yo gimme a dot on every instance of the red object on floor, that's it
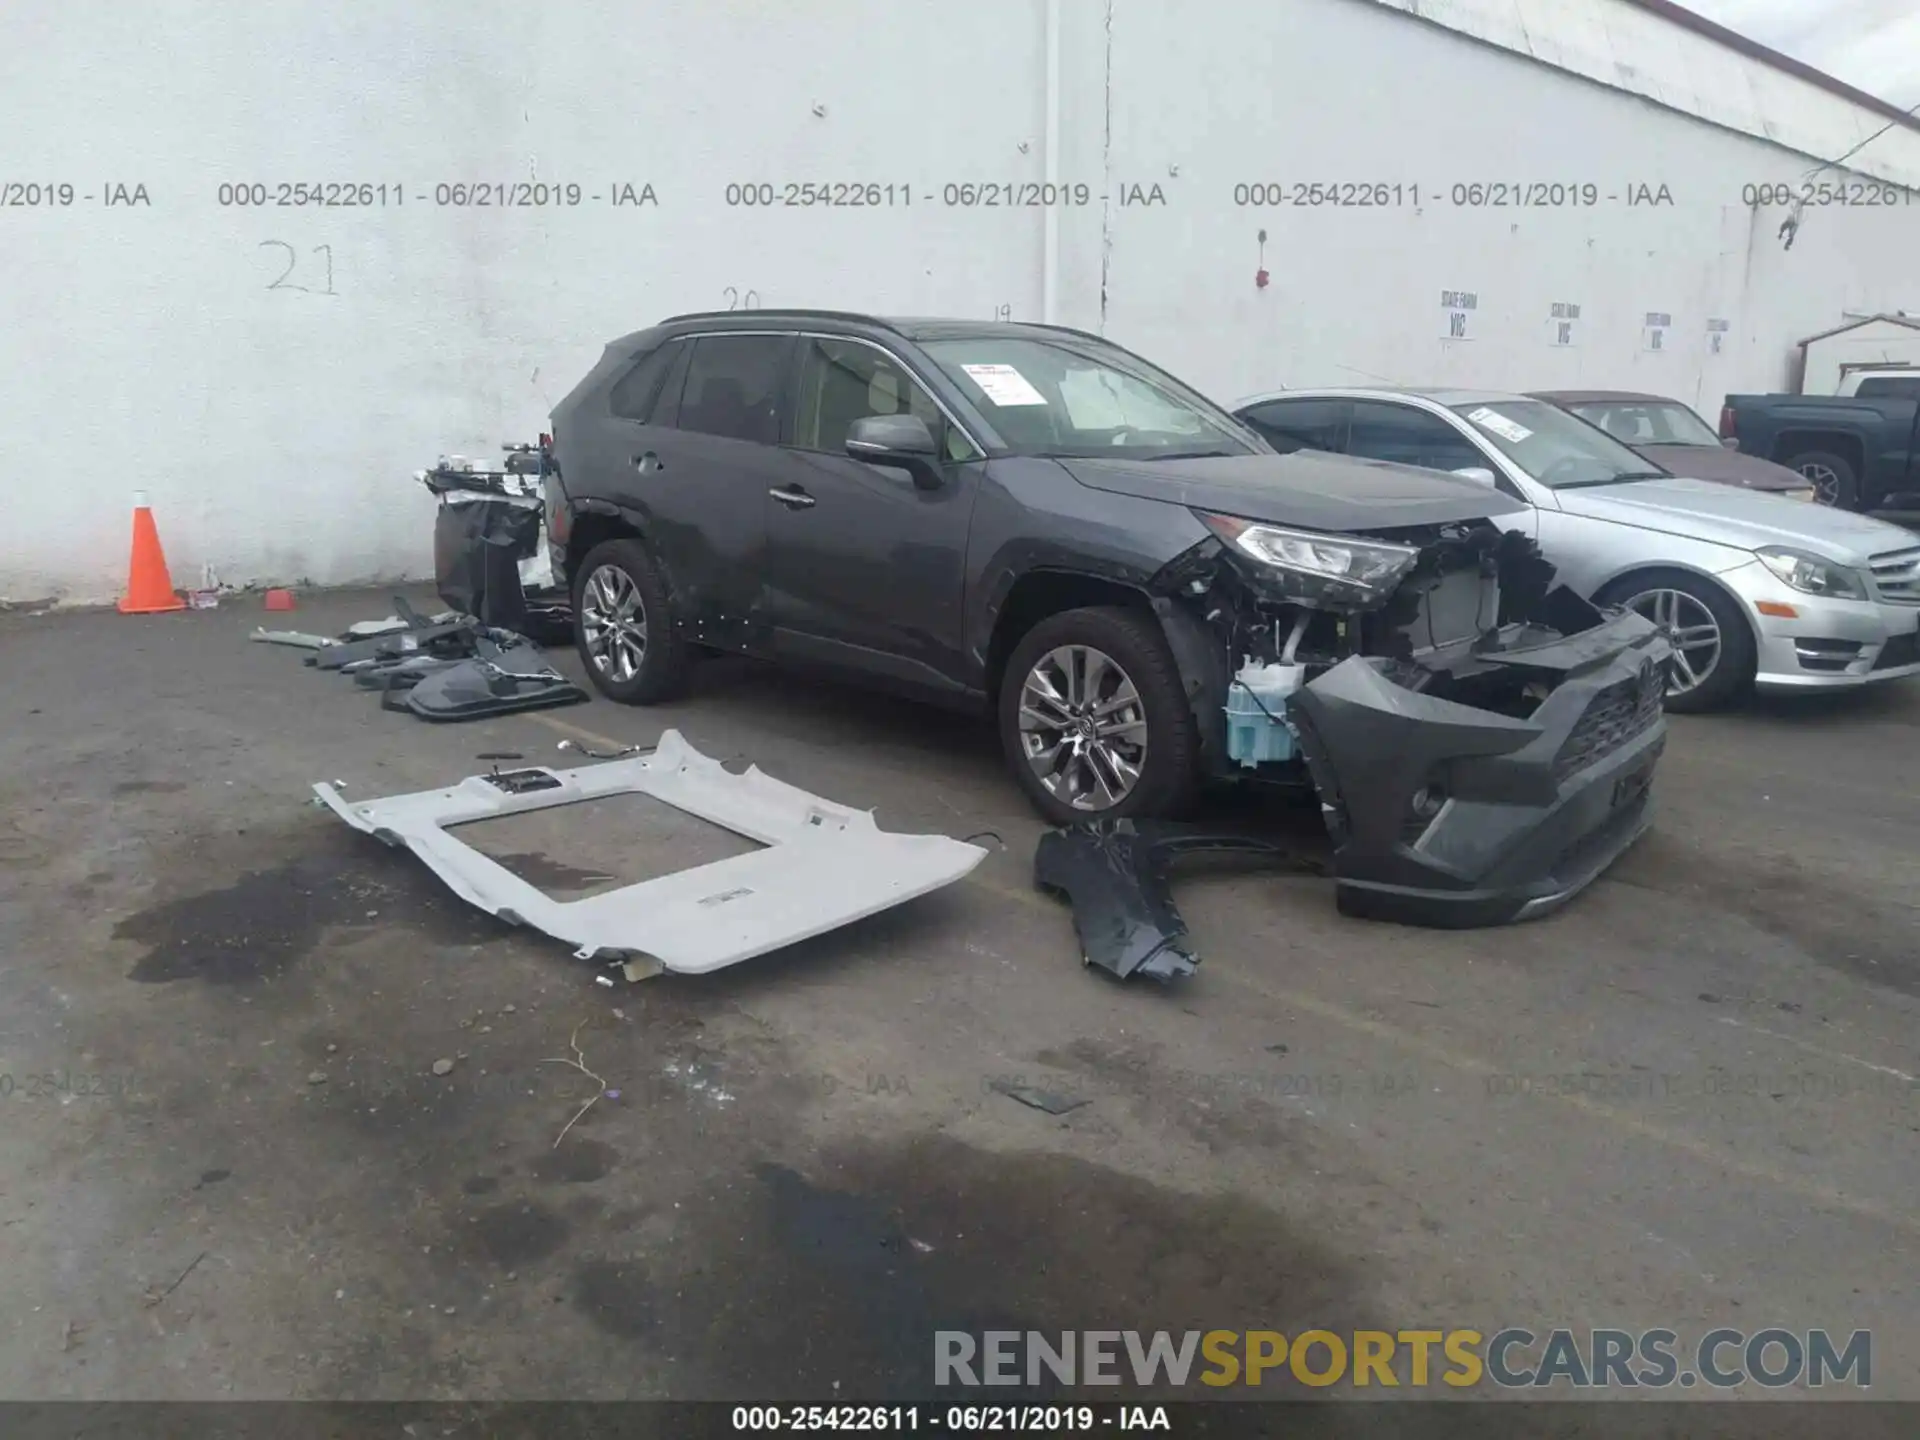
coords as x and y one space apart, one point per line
280 600
149 586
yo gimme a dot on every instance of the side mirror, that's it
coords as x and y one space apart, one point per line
1732 442
1479 474
902 440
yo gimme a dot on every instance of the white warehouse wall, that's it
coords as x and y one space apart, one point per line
270 375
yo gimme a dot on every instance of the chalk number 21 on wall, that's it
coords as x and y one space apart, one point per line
315 276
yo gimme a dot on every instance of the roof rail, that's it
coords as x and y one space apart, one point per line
1070 330
780 312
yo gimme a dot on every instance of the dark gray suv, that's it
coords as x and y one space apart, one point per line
1036 523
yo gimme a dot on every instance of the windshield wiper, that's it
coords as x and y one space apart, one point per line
1615 479
1189 455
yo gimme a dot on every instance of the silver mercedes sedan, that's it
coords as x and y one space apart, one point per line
1755 589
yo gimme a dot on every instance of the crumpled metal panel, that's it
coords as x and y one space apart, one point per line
825 865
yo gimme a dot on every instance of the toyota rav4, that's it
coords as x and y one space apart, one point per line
1034 522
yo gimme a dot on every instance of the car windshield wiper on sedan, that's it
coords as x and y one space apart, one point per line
1620 479
1189 455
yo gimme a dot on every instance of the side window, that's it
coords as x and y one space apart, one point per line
633 394
842 381
1887 387
733 387
1290 425
1408 436
1629 427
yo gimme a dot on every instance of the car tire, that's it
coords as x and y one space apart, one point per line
1835 481
1678 599
1134 653
617 585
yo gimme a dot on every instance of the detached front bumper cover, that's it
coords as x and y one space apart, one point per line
824 866
1447 815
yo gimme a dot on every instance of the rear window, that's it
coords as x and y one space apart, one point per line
633 394
1886 387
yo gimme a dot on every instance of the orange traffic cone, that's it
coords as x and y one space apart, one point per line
149 586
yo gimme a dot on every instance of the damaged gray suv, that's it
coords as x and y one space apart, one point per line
1036 523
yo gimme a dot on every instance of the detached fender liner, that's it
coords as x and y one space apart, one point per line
1446 815
1115 875
824 866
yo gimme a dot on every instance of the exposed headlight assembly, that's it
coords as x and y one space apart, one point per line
1315 568
1811 575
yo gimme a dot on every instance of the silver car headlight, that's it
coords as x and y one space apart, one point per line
1812 575
1318 566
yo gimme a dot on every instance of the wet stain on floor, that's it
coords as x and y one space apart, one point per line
577 1161
552 875
617 1296
1810 908
515 1233
844 1270
268 920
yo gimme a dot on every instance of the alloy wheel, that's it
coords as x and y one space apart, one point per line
1083 727
1826 484
613 621
1692 629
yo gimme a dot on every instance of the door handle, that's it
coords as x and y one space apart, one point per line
647 462
794 499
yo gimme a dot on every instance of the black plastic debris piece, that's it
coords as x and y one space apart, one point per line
400 674
522 782
495 681
1115 875
422 636
1051 1101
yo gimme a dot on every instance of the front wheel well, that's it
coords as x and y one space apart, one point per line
1040 593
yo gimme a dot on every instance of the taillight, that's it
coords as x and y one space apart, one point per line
1726 422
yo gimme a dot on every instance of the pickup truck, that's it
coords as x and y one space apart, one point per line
1895 380
1859 451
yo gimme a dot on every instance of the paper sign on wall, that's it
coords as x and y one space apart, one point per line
1654 335
1004 385
1498 424
1457 308
1717 335
1563 324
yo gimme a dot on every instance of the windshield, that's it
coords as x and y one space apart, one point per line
1081 398
1649 422
1557 449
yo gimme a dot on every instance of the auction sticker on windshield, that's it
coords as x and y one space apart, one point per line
1499 424
1004 385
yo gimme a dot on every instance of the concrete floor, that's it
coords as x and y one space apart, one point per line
806 1171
